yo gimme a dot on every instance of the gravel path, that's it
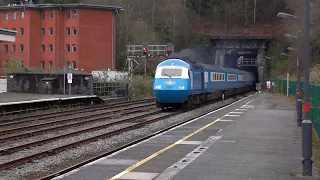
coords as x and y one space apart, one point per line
69 157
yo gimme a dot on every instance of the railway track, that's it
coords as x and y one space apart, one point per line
132 123
67 112
18 154
70 121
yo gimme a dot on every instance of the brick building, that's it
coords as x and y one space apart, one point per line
54 35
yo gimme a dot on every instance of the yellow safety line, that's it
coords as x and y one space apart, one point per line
166 148
162 150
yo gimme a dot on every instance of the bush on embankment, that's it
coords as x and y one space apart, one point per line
142 87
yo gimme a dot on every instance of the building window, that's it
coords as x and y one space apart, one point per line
13 48
43 31
68 47
68 15
74 48
42 64
50 48
74 65
50 31
42 48
51 15
14 15
50 64
21 32
5 48
74 14
43 15
22 64
68 63
22 15
6 16
74 31
21 48
68 31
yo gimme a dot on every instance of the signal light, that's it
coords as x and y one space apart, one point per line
144 48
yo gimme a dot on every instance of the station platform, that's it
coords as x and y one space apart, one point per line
19 102
252 139
18 98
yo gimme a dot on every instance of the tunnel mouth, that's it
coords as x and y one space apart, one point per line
249 55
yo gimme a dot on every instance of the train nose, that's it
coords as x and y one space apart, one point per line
171 96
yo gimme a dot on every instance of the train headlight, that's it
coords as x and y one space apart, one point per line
158 87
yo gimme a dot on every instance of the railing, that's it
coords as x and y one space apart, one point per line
110 89
281 87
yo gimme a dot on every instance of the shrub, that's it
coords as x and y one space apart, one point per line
142 87
315 74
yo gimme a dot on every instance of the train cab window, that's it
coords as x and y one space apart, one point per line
171 72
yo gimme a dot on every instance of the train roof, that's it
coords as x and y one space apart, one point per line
198 65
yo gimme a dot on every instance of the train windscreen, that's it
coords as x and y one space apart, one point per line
171 72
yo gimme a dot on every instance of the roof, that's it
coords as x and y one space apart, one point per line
8 32
62 7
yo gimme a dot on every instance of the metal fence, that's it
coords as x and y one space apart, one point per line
110 89
281 87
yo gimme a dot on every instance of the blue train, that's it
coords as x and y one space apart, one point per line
184 84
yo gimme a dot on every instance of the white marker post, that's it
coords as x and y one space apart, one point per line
69 82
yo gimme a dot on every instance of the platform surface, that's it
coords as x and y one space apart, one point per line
13 97
254 139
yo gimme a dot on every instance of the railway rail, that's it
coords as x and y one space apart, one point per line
130 123
116 149
78 120
133 120
46 115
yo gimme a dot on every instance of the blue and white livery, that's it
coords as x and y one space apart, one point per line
186 83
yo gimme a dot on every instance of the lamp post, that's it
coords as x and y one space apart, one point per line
307 123
298 71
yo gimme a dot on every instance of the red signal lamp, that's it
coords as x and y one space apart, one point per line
144 49
169 50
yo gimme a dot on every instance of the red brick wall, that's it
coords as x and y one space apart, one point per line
17 24
95 40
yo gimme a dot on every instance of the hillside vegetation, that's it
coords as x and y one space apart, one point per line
187 23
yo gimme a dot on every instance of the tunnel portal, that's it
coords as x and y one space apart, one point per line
241 52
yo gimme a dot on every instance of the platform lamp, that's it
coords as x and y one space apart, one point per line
298 73
298 89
